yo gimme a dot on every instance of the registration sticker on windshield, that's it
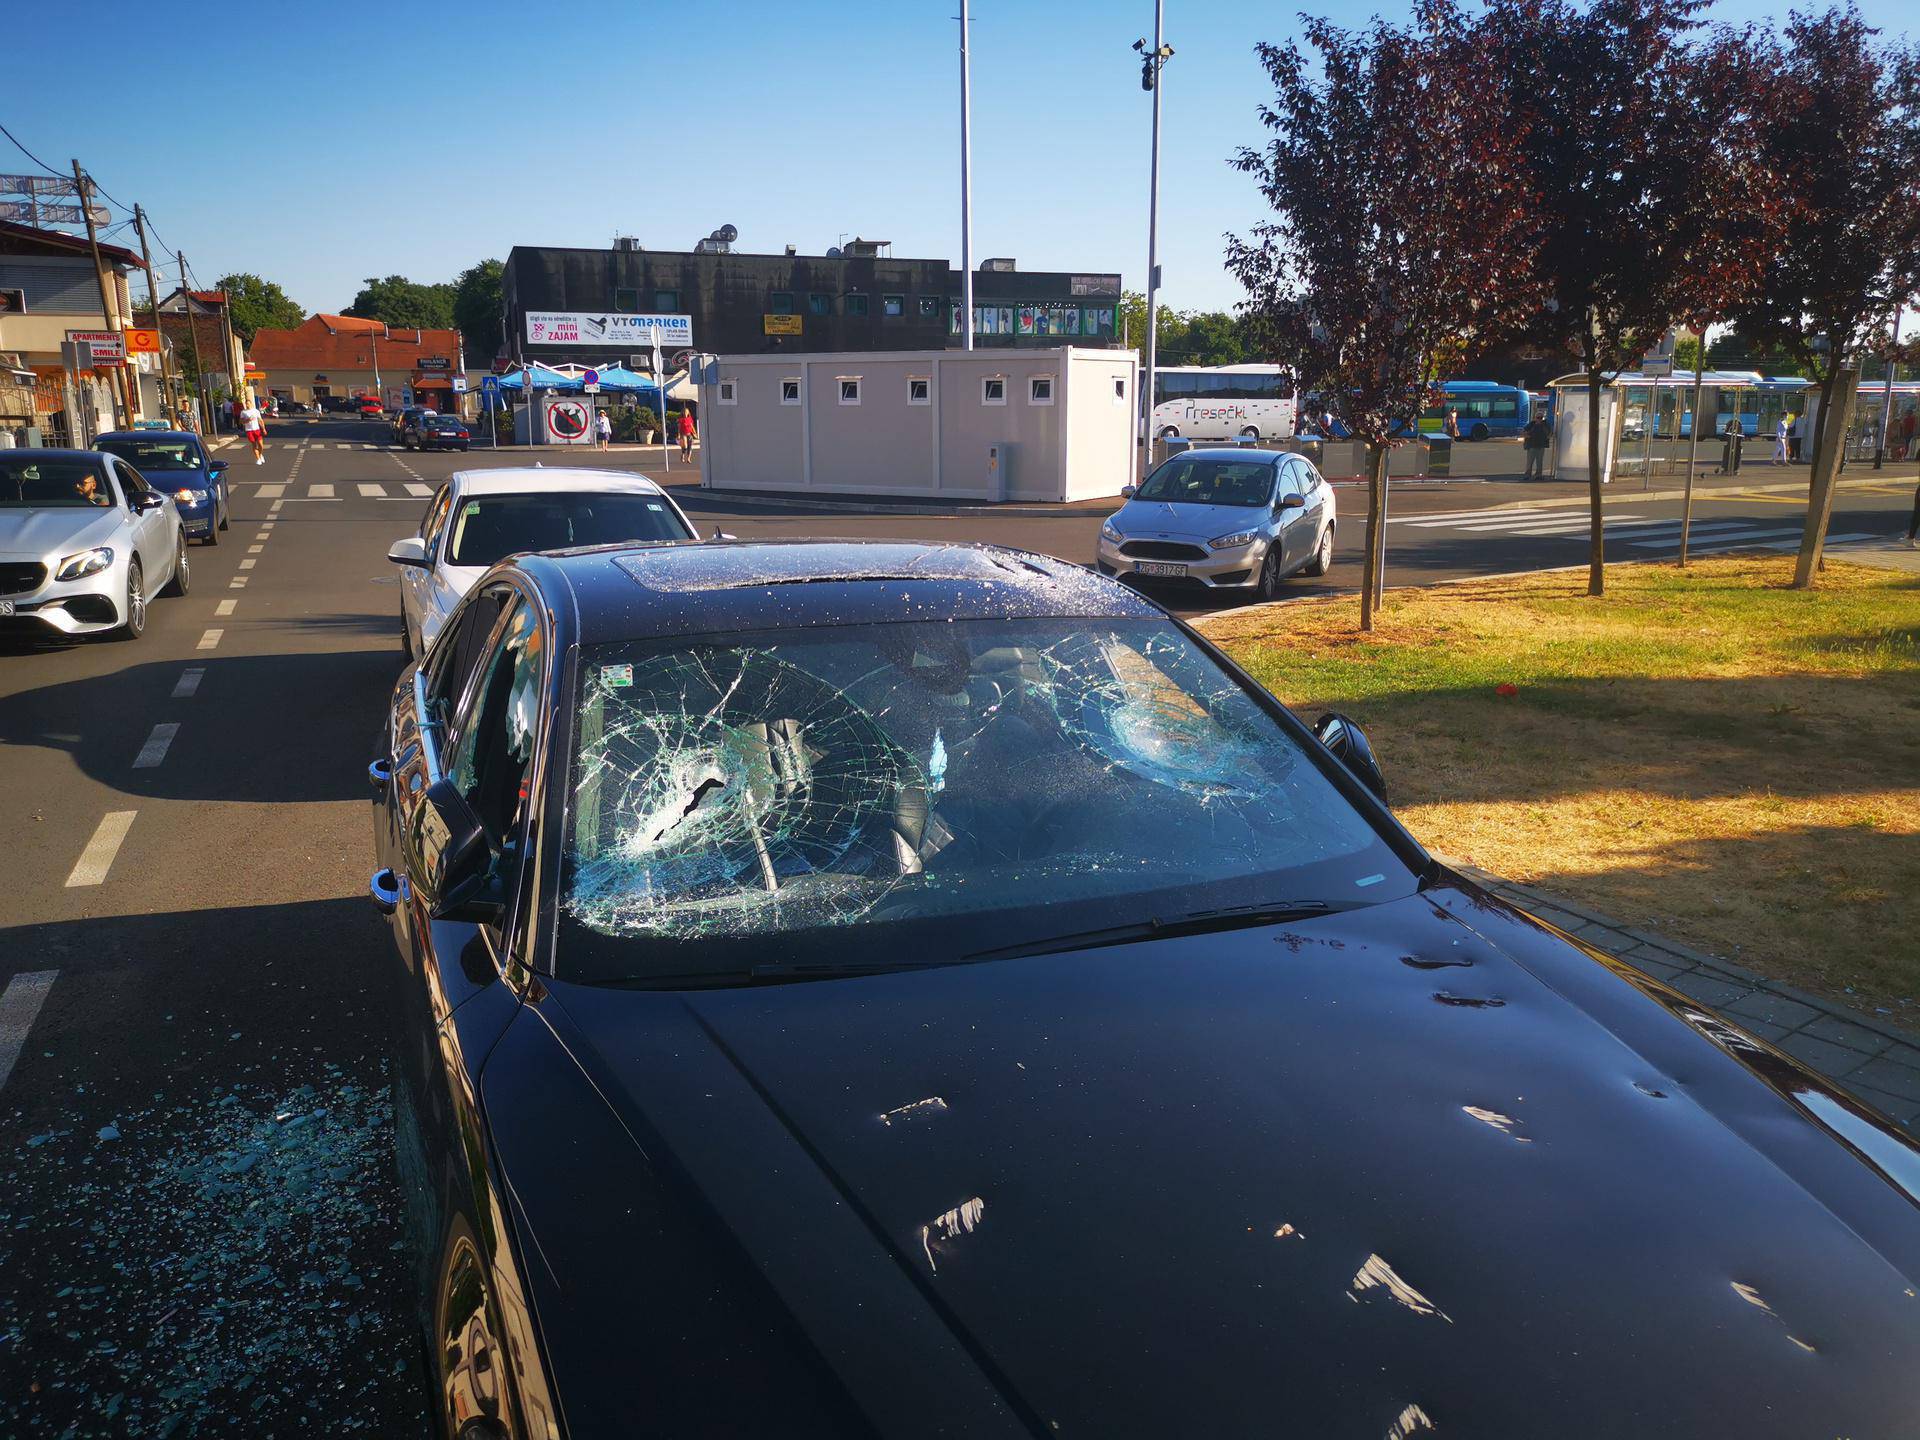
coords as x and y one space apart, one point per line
617 677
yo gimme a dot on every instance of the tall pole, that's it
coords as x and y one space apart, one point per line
234 382
1886 396
123 414
169 401
193 334
1151 77
966 185
1693 447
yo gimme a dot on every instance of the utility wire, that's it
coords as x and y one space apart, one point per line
29 154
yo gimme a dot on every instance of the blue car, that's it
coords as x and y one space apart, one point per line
175 463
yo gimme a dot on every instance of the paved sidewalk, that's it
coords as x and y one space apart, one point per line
1865 1055
1884 555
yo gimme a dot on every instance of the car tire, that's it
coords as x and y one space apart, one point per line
135 625
182 580
1270 576
1478 432
1322 556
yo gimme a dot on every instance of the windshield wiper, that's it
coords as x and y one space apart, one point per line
1198 922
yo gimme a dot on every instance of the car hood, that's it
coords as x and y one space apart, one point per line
38 533
1157 519
1424 1165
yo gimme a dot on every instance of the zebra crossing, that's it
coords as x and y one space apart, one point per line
322 491
1638 531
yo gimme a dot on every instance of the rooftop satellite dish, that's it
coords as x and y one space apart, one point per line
833 252
728 233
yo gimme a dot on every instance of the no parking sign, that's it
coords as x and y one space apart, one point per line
568 422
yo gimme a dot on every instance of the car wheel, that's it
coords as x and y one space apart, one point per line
1270 573
1322 557
182 580
135 625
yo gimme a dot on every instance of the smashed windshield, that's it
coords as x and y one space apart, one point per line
1199 480
926 791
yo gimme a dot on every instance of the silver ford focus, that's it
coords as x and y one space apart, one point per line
1223 519
85 543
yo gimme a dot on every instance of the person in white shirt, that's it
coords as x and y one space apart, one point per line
1780 441
256 429
604 427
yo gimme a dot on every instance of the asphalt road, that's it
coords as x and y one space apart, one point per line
197 1215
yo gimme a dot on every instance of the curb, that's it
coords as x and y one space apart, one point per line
752 500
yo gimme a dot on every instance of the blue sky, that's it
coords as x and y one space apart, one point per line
316 145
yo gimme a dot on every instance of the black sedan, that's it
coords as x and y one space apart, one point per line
885 989
433 432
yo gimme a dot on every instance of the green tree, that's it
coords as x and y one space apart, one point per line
1735 351
477 304
258 304
403 302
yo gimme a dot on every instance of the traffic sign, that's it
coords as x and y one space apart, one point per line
590 381
568 421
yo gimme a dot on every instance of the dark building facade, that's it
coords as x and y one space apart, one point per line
859 299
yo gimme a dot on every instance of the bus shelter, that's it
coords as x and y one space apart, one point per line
1646 422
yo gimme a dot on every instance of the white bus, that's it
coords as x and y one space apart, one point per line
1221 402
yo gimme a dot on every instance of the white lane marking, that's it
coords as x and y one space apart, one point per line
372 491
1501 522
419 492
248 564
94 862
271 492
1672 542
225 607
19 1007
274 509
255 549
189 680
1633 529
210 639
155 750
239 582
320 490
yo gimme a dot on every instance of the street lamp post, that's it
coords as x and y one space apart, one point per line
966 186
1152 62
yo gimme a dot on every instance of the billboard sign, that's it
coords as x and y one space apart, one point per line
553 327
109 346
780 325
142 342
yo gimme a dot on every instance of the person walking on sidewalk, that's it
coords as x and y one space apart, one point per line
1780 440
686 434
1537 436
1794 434
256 429
603 426
1452 425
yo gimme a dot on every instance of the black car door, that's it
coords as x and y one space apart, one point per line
477 714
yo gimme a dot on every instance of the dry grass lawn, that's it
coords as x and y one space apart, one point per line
1704 752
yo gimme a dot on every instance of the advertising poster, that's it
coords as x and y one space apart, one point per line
1006 320
1072 316
1026 320
1041 321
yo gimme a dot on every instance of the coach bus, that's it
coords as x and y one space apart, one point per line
1222 402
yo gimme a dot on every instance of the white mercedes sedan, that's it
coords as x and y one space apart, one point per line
482 516
85 543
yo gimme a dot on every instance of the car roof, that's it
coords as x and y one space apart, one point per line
1231 452
146 435
532 479
628 592
51 452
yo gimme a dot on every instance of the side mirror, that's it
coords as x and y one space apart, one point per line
217 467
1348 743
454 862
150 500
410 551
1292 500
1127 492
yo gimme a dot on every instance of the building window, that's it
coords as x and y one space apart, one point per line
854 305
818 304
727 392
780 302
929 307
993 390
893 306
666 300
849 389
790 391
919 390
1040 390
626 300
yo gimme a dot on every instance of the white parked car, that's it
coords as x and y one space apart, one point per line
85 543
482 516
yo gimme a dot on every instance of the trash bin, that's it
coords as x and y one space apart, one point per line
1439 455
1177 443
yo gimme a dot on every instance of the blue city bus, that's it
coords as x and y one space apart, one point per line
1485 408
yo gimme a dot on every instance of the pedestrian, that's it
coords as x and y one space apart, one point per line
603 426
1452 425
226 411
1536 438
1794 434
1780 440
686 434
256 429
1730 438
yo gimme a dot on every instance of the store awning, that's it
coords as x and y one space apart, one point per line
543 379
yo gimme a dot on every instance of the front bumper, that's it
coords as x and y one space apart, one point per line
197 521
1202 568
87 606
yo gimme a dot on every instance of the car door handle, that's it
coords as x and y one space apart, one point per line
387 890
